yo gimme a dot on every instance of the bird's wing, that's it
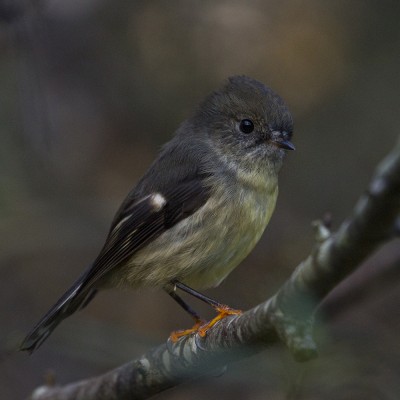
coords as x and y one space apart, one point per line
142 220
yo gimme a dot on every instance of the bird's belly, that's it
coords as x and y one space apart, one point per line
204 248
222 258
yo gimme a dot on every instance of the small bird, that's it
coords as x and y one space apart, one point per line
199 209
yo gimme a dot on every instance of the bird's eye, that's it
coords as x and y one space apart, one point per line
246 126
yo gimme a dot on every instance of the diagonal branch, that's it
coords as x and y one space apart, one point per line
286 317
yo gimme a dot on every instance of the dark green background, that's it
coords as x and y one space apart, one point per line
89 92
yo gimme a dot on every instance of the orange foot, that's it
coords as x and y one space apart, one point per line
201 328
176 335
224 311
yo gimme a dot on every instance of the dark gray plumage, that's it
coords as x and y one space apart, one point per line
200 208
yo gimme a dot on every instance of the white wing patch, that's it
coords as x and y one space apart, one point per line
158 201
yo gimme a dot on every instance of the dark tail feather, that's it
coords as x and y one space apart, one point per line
73 300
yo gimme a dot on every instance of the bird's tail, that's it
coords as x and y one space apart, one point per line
74 299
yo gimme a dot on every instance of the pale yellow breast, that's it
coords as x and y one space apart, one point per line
204 248
236 233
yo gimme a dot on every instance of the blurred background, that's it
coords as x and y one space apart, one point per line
91 89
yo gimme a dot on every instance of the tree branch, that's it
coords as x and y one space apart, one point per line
287 317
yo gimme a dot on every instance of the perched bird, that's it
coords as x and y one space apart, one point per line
199 209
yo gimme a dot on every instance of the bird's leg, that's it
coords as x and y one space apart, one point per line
195 293
222 309
184 305
198 321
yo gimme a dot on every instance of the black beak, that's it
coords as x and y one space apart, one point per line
279 140
285 144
